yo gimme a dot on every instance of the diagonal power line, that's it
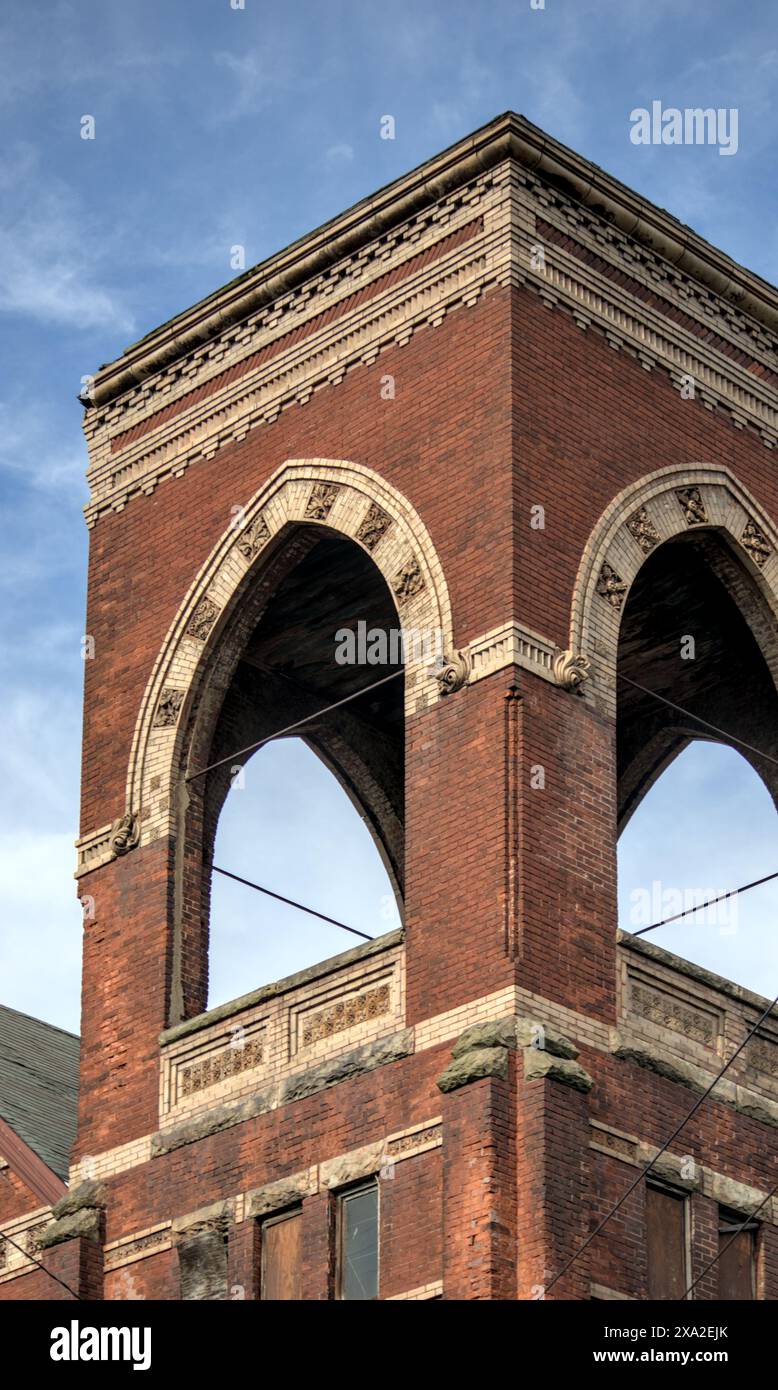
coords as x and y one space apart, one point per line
298 724
744 887
735 1235
679 709
645 1171
51 1274
290 902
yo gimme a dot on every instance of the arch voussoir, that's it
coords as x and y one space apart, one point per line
344 497
660 507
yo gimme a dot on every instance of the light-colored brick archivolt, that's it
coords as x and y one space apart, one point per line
348 499
656 509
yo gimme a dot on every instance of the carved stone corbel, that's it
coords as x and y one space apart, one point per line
570 669
125 834
452 672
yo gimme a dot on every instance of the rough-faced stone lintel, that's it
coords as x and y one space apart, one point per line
284 1192
358 1062
672 1068
695 1078
355 1063
474 1065
671 1169
350 1167
215 1217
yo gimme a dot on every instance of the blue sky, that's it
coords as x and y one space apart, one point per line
216 126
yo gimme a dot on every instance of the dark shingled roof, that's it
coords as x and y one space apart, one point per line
39 1085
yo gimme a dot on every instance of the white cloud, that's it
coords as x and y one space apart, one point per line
48 258
256 76
339 154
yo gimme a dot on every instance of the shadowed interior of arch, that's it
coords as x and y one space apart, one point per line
697 811
325 830
691 632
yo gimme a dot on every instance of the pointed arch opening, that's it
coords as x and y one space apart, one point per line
697 756
323 629
707 824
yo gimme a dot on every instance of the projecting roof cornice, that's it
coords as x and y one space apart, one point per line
508 137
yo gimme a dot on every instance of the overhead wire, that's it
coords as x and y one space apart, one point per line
647 1169
291 728
290 902
28 1256
744 1223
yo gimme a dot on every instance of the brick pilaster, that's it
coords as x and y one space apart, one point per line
243 1260
553 1163
479 1186
318 1237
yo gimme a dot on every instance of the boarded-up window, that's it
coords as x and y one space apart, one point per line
737 1257
282 1257
665 1243
358 1243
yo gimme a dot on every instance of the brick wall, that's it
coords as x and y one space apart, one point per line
510 867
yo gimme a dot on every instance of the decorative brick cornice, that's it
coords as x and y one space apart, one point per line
304 342
469 220
507 137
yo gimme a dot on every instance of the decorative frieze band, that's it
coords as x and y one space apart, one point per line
134 460
320 1013
19 1252
243 376
611 289
138 1246
672 1015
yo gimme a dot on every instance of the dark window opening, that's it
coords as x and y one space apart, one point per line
665 1243
737 1257
358 1243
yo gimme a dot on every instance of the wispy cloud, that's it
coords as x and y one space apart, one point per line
48 259
255 76
339 154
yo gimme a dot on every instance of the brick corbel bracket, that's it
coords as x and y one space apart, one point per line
482 1050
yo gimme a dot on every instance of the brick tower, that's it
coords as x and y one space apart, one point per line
508 402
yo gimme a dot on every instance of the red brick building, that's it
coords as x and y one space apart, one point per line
508 401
